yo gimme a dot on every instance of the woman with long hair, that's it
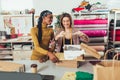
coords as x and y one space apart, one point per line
68 35
41 36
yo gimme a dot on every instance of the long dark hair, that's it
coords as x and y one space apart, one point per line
65 15
39 26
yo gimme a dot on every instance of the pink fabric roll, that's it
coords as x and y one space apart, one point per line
91 26
91 21
95 33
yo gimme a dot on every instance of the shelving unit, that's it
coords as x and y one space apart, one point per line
5 52
14 52
115 29
95 25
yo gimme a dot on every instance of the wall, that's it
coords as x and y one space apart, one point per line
59 6
1 22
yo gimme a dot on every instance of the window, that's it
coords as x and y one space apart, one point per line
16 4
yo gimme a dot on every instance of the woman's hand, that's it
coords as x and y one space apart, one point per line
78 33
61 34
43 59
52 57
83 36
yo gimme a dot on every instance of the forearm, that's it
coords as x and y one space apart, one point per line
57 37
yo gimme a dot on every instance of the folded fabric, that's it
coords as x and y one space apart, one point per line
84 76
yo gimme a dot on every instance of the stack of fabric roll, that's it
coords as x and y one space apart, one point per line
96 35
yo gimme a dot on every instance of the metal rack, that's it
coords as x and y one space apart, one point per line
99 27
116 13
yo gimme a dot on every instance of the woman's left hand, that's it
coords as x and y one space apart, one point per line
78 33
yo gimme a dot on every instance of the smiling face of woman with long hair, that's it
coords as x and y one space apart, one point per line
66 22
48 19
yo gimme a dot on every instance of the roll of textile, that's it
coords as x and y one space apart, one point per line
99 48
97 39
117 38
95 33
91 26
91 21
117 32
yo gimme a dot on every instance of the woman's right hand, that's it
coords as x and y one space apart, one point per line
61 34
52 57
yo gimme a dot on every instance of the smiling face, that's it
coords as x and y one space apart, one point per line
66 22
48 19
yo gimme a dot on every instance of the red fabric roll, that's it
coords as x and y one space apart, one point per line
95 33
91 21
117 32
117 38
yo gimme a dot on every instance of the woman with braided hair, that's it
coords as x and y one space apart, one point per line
41 36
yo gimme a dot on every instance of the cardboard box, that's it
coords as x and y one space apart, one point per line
67 63
11 67
89 50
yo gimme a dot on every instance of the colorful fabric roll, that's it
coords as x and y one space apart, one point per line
98 48
117 38
91 21
97 39
91 26
117 32
95 33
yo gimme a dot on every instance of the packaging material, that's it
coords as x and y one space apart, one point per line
72 52
67 63
107 70
11 67
90 51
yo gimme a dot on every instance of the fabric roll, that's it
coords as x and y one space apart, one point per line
117 38
117 32
97 39
98 48
95 33
91 21
91 26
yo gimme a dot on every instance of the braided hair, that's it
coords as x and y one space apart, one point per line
39 26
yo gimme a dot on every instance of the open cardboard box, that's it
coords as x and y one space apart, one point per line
75 63
11 67
69 63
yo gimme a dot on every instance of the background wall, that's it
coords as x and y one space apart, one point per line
1 22
59 6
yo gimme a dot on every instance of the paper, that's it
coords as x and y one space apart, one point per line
72 52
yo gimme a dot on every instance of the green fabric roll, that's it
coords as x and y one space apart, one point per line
84 76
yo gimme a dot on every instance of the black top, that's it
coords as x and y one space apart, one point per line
67 41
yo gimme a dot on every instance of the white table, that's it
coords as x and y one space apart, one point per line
49 68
